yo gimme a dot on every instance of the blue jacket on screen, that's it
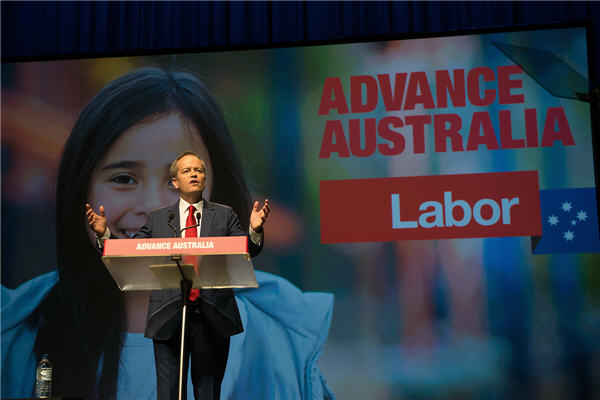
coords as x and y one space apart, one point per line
275 357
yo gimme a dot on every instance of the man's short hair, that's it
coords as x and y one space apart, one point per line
173 167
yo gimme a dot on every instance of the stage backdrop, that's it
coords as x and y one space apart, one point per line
442 188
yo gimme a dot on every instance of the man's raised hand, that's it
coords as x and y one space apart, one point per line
259 216
96 221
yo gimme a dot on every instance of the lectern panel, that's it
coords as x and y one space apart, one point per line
139 266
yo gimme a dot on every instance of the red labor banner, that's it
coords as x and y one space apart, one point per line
430 207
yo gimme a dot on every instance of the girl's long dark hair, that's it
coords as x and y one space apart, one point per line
82 320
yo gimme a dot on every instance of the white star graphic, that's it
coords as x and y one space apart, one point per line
566 206
553 220
569 236
582 215
573 222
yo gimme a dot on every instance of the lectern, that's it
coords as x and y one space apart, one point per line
185 263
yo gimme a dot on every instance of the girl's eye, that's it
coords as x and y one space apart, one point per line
123 179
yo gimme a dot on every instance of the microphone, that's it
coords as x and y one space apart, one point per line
198 215
171 216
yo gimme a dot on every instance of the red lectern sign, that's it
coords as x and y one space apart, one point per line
210 262
194 246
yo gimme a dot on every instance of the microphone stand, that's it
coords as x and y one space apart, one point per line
185 287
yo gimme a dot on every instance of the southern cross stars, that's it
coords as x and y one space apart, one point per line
568 236
567 207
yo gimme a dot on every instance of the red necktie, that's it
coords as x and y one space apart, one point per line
192 232
191 221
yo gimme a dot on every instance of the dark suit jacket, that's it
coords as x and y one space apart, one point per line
219 306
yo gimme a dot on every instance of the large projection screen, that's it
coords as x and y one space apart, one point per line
441 188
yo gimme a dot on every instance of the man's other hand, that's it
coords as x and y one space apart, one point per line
259 216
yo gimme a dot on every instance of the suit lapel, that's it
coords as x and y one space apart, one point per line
208 215
175 210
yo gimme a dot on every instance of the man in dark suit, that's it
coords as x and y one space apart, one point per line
212 314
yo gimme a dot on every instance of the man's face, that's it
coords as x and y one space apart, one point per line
190 179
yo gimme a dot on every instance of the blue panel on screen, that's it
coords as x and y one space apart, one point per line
569 221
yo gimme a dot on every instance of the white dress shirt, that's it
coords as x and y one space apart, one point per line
184 210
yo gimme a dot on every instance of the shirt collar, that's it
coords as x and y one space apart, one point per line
184 206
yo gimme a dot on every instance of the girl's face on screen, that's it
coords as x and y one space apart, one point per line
133 177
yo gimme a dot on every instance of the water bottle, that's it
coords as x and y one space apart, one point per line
43 378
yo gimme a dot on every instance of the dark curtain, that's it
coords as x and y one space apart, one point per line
39 30
58 29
